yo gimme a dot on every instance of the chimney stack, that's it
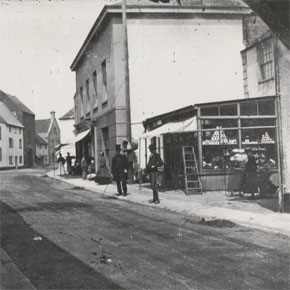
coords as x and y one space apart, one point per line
52 115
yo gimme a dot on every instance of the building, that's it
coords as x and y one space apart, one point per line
66 124
266 62
176 58
11 139
48 129
27 118
41 157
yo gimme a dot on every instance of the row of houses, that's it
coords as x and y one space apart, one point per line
176 56
26 142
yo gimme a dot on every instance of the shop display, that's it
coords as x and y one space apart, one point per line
219 138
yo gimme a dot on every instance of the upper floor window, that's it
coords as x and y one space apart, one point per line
88 94
82 100
265 59
10 142
9 128
19 130
95 84
20 143
105 81
10 160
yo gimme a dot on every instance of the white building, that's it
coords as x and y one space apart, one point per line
11 139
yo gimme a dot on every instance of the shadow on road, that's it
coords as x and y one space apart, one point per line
46 265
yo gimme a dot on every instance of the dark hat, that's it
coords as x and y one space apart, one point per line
151 147
118 147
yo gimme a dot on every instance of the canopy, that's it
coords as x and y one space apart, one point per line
81 136
172 127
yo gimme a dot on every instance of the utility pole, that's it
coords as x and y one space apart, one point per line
126 63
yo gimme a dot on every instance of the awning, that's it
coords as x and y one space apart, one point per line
172 127
81 136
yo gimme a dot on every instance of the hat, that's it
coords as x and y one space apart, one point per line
151 147
118 147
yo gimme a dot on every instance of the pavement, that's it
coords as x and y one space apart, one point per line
260 213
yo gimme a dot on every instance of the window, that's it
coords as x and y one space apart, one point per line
0 154
10 160
88 94
245 73
20 143
10 142
265 59
104 75
95 84
20 159
82 100
9 128
19 130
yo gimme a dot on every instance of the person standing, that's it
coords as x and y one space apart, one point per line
154 162
61 162
119 171
250 179
68 163
84 167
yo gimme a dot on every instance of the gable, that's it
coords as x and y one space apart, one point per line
42 126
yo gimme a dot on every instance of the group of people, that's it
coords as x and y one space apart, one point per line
65 161
120 167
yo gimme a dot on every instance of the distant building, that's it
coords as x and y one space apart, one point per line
41 157
178 55
27 118
11 139
66 124
48 129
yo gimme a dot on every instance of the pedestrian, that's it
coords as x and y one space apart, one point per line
119 171
103 170
68 163
84 167
61 162
154 162
250 179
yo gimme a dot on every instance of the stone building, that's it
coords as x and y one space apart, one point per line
177 56
27 118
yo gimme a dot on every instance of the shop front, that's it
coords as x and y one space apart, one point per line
225 134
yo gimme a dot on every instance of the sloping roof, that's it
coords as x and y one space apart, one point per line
137 7
8 99
42 126
8 116
1 119
70 115
40 140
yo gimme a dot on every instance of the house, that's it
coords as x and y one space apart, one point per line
48 129
11 139
41 157
66 124
27 118
266 67
176 57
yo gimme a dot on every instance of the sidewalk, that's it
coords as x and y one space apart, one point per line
260 213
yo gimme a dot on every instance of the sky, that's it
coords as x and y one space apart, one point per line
39 40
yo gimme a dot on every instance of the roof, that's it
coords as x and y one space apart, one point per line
137 7
40 140
42 126
8 117
12 100
70 115
276 15
2 120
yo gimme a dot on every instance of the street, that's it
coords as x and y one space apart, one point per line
62 237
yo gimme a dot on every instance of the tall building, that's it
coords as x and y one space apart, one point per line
178 55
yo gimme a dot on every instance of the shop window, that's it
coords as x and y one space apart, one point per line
249 109
228 110
209 111
265 59
255 122
261 143
223 123
267 107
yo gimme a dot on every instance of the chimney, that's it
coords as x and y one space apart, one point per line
52 115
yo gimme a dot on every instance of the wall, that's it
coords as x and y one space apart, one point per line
283 56
15 151
42 150
67 135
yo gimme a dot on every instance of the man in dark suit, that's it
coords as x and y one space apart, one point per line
119 171
154 162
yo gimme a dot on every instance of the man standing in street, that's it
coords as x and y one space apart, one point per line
119 171
154 162
61 162
68 163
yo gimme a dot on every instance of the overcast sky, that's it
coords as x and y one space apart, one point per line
38 42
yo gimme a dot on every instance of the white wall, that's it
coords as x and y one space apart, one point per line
67 135
178 62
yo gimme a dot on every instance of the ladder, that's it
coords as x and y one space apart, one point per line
191 173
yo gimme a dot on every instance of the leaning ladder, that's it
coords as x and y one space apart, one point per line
191 173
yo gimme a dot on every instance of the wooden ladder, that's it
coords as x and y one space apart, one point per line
191 173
